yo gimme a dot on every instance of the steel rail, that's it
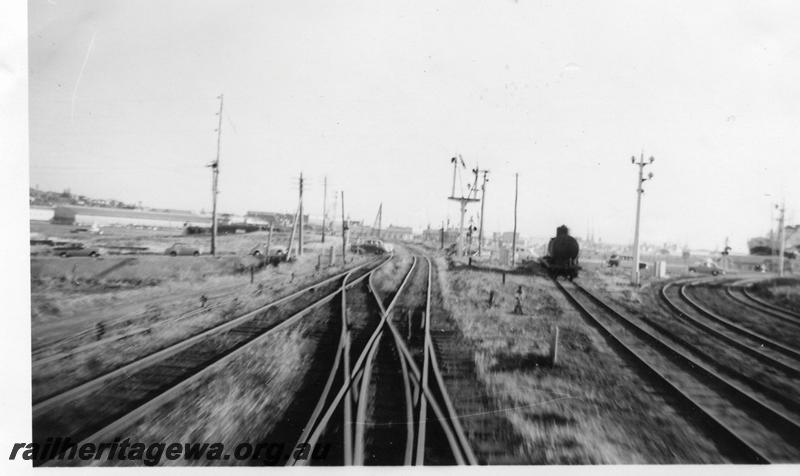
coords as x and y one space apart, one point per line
358 456
758 354
778 347
423 407
348 403
162 354
176 390
774 307
440 415
729 291
751 454
437 373
320 406
453 440
314 429
407 382
790 423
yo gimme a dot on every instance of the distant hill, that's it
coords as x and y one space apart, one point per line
45 198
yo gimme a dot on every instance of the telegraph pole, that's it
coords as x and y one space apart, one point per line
639 191
214 182
300 212
782 238
514 236
324 206
483 202
344 234
379 218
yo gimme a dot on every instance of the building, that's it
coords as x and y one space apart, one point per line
280 221
41 213
75 215
397 233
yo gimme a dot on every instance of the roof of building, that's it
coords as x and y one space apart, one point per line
125 213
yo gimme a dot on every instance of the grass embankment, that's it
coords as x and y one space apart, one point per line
783 292
592 406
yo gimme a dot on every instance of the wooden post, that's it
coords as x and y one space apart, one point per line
300 223
554 347
269 242
324 206
291 237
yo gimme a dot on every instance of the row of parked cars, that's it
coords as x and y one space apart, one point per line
274 254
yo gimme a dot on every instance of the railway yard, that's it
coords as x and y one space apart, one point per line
412 357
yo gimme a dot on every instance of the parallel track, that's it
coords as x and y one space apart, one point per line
755 302
98 409
699 388
755 350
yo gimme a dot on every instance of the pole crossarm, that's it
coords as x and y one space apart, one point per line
635 278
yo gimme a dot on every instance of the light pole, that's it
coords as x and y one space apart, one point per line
639 191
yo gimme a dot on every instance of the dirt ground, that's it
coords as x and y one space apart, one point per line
89 316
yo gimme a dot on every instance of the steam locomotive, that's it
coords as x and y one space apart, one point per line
562 255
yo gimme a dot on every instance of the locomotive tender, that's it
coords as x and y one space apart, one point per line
562 255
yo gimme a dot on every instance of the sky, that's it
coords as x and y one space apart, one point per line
378 96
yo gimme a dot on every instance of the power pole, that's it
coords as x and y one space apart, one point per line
214 182
324 206
639 191
344 234
782 238
514 236
483 202
300 214
291 236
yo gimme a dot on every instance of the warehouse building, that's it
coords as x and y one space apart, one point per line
74 215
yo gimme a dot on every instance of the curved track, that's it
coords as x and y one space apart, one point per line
760 347
746 429
743 296
418 379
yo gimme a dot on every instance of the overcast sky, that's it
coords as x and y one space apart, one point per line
377 96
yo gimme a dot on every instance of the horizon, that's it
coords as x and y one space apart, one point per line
379 98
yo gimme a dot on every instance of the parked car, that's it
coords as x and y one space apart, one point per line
76 250
275 256
707 268
615 261
182 249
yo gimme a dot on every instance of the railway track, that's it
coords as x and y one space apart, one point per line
360 402
98 409
757 346
747 429
742 296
